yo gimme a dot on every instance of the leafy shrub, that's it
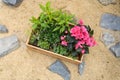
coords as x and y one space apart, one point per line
49 26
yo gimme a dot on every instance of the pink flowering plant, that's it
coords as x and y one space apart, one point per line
78 40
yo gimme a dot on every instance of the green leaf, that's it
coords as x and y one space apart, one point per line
44 25
48 4
79 50
34 20
63 50
74 53
72 40
43 44
58 49
88 28
70 47
57 28
69 29
54 48
62 29
62 22
86 50
42 7
42 17
91 33
34 26
32 39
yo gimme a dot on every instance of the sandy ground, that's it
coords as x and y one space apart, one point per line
24 64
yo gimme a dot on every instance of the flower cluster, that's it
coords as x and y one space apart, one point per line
81 34
63 42
81 38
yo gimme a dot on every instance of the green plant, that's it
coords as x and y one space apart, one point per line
48 27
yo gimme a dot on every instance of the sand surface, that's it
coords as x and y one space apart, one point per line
24 64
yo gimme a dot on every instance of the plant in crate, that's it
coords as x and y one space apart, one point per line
57 31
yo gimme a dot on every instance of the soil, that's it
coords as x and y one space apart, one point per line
25 64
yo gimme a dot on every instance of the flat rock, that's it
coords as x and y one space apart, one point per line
8 44
59 68
116 49
107 38
3 29
81 68
12 2
110 21
107 2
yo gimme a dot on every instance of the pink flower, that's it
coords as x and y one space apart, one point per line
62 37
79 45
75 32
83 51
79 32
75 29
81 22
81 37
66 32
86 35
83 29
91 42
64 43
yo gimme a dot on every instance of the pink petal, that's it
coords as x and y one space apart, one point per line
81 22
64 43
83 51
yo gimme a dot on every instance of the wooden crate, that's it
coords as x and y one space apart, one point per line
55 55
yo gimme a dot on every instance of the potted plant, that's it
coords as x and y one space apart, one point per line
56 33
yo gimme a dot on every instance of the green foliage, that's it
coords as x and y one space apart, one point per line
91 32
60 49
48 27
36 23
32 39
43 44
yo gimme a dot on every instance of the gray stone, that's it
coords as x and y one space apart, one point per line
3 29
12 2
107 2
8 44
107 38
116 49
59 68
110 21
81 68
